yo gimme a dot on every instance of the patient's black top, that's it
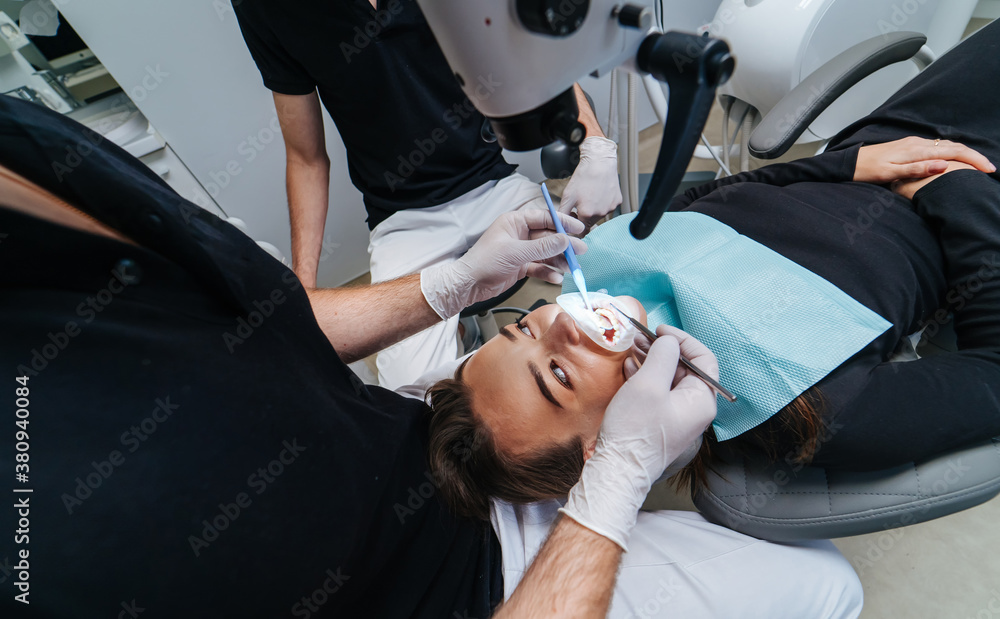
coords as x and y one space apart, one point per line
921 264
197 448
413 138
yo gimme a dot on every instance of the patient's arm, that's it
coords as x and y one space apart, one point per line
572 576
910 157
914 158
908 187
832 166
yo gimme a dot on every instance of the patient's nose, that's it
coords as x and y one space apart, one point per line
563 331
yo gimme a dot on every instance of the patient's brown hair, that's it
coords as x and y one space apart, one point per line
468 467
800 422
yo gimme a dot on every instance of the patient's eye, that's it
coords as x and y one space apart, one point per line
523 327
559 373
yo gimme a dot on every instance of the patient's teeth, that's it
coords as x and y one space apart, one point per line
603 325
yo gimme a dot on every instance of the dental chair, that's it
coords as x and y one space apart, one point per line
803 89
825 64
784 502
842 59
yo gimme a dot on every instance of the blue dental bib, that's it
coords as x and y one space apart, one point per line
776 327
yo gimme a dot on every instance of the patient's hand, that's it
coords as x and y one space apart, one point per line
914 158
907 188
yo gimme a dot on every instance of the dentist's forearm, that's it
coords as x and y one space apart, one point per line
363 320
572 576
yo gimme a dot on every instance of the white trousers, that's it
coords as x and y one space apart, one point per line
680 565
411 240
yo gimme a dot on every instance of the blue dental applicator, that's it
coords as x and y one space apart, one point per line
574 266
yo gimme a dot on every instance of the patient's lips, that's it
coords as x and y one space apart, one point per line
603 324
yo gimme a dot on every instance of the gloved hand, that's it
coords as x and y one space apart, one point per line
593 189
649 422
515 245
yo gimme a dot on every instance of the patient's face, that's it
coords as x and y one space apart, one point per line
545 382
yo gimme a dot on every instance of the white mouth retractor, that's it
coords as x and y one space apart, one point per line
604 325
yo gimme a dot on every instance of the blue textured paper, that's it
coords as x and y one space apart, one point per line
776 327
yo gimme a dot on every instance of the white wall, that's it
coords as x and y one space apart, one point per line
185 65
987 9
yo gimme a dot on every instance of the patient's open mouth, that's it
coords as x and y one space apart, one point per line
602 324
608 321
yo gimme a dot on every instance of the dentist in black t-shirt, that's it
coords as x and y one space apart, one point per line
415 150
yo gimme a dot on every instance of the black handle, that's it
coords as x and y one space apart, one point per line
693 67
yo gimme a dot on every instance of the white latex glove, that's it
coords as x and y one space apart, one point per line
593 189
515 245
649 423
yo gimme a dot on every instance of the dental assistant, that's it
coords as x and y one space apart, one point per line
415 147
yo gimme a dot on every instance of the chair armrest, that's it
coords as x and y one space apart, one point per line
799 108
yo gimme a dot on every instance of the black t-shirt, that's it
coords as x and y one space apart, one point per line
197 448
413 138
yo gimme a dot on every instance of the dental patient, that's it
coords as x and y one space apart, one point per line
531 400
901 213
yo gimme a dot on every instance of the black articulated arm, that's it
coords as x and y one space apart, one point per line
693 67
799 108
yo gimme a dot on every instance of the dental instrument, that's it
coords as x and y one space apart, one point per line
574 265
687 362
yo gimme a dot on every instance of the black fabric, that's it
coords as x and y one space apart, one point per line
189 393
914 263
413 138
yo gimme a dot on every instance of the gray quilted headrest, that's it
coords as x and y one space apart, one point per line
781 502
